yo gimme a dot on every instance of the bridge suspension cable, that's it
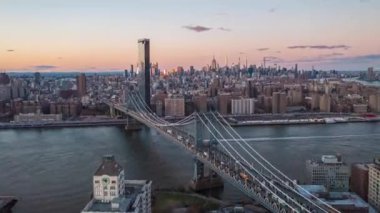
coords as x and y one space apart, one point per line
258 173
288 183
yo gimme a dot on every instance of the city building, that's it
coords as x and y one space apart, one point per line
37 117
374 184
360 108
325 103
243 106
344 202
279 102
359 180
224 103
5 93
112 193
144 72
330 172
200 103
374 102
175 107
81 85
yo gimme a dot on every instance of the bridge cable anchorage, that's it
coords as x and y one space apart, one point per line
296 186
264 178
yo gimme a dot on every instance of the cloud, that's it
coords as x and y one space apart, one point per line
321 47
197 28
338 58
331 55
272 10
241 53
10 50
263 49
224 29
59 58
45 67
361 58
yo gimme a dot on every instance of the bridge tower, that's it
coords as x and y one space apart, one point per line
129 92
201 180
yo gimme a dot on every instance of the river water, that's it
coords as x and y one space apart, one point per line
51 170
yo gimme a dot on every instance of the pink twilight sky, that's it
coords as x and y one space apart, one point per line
101 35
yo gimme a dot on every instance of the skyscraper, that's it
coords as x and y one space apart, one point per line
81 85
144 74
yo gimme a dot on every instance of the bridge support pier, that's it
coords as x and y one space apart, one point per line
132 124
112 112
201 181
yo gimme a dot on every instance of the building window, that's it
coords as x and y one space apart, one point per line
105 194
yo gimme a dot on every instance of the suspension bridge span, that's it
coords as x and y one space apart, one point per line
215 144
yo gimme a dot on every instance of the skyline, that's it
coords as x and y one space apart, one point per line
102 36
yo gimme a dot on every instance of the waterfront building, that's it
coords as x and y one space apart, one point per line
345 202
81 85
37 117
144 72
279 102
112 193
374 184
243 106
330 171
359 179
325 103
175 106
374 102
360 108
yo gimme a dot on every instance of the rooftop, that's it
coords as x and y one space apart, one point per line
109 167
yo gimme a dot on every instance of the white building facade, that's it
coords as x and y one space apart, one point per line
113 194
374 184
330 172
244 106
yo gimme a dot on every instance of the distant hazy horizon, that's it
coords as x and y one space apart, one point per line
98 35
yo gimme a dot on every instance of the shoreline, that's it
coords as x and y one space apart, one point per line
63 124
301 122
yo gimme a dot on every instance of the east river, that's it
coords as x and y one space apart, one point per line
51 170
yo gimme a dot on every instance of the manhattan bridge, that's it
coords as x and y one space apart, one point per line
214 144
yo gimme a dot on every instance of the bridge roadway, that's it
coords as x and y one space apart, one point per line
232 171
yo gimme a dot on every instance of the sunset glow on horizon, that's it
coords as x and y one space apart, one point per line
99 35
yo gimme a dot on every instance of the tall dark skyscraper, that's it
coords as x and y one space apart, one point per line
144 73
81 85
